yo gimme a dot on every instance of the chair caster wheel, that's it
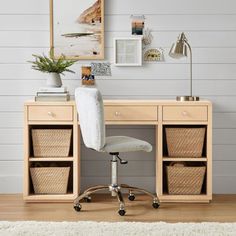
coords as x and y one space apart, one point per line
155 205
121 212
87 199
131 197
77 207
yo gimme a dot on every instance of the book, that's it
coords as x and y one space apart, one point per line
51 94
52 90
52 98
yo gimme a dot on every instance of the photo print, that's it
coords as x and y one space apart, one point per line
137 24
87 76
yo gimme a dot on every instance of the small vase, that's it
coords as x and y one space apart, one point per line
54 80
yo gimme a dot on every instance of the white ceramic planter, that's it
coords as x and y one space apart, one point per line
54 80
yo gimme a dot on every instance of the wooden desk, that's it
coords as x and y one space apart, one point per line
159 113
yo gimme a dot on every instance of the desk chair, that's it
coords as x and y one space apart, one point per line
91 117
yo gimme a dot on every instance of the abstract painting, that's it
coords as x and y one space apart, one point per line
77 29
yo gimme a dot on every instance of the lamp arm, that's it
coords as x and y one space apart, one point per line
191 68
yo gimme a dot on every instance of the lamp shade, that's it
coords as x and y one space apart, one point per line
179 48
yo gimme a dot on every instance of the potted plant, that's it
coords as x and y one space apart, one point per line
54 67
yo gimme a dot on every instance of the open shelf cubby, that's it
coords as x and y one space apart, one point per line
184 161
181 158
54 165
188 164
31 151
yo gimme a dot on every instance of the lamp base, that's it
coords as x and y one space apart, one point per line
187 98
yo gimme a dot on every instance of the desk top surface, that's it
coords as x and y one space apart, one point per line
134 102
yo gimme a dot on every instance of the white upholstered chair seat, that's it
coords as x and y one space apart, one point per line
125 144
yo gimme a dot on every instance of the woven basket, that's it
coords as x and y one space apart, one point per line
48 180
185 180
51 142
185 142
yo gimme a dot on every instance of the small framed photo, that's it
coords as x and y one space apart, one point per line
137 26
86 75
128 51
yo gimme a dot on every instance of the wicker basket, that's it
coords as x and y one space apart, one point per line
51 142
185 142
50 180
185 180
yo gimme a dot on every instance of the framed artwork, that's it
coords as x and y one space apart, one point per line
77 29
128 51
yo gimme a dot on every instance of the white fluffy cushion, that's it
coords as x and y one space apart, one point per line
91 116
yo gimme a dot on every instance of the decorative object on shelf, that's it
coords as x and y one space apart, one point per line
86 75
77 29
177 51
147 37
137 24
54 67
154 54
128 51
101 68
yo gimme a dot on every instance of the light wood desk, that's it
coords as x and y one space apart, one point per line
159 113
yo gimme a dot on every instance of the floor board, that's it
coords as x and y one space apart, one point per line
104 208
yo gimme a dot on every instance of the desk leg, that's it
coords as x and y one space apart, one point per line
159 154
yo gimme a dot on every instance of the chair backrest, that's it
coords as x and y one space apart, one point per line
89 105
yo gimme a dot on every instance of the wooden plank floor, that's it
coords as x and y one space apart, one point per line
104 208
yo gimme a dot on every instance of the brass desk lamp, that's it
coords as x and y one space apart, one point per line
177 51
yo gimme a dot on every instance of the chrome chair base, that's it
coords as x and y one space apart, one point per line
115 189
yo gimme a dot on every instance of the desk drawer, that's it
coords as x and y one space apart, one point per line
50 113
184 113
126 113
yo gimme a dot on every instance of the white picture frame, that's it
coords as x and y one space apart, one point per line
128 51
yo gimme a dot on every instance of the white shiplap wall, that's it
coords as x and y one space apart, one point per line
210 26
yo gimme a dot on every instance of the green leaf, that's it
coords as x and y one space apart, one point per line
46 64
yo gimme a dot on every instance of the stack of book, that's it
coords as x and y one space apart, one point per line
52 94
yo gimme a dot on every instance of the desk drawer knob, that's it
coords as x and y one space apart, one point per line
50 114
184 113
117 113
